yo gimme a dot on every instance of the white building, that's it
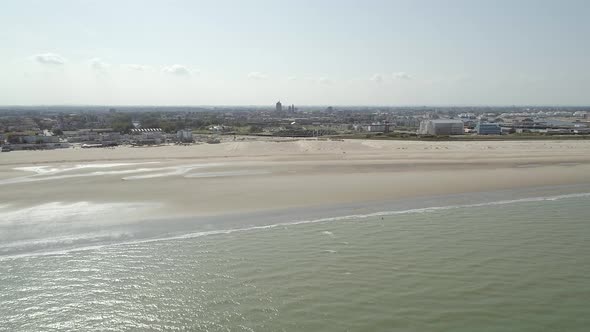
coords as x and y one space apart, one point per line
441 127
37 139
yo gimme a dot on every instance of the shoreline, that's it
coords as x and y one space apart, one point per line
182 228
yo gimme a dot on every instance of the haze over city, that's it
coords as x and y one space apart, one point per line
308 52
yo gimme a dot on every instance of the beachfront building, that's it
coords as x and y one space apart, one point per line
441 127
36 139
21 141
147 136
185 136
488 129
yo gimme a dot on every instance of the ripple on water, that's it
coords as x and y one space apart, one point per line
456 269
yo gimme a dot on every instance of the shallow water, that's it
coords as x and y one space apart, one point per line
517 266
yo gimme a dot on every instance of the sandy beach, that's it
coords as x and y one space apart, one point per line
249 176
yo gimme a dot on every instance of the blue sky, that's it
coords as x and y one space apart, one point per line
302 52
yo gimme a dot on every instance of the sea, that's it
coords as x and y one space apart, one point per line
501 261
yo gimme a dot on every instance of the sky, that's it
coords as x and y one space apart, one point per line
303 52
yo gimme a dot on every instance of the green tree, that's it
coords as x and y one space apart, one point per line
255 129
121 123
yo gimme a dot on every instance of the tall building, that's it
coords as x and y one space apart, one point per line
441 127
488 129
279 106
185 136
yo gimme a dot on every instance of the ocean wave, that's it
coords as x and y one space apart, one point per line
199 234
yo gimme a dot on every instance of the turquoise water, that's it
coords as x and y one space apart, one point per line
510 266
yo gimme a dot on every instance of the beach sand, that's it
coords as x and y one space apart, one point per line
252 176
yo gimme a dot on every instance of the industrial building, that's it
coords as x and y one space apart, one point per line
488 129
441 127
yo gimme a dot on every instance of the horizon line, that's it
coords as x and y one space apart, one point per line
300 105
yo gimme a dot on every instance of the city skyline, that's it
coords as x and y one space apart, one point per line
394 53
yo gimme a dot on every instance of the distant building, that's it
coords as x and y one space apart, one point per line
185 136
82 135
467 116
279 106
21 141
379 128
139 131
219 128
113 136
146 136
37 139
488 129
441 127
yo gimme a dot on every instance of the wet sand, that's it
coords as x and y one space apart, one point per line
253 176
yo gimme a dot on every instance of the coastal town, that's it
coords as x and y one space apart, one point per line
36 128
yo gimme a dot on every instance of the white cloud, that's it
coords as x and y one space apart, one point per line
137 67
98 64
377 78
49 59
179 70
292 78
255 75
401 76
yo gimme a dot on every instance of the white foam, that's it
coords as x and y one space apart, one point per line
225 174
65 240
36 169
170 171
78 175
46 170
44 173
63 213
